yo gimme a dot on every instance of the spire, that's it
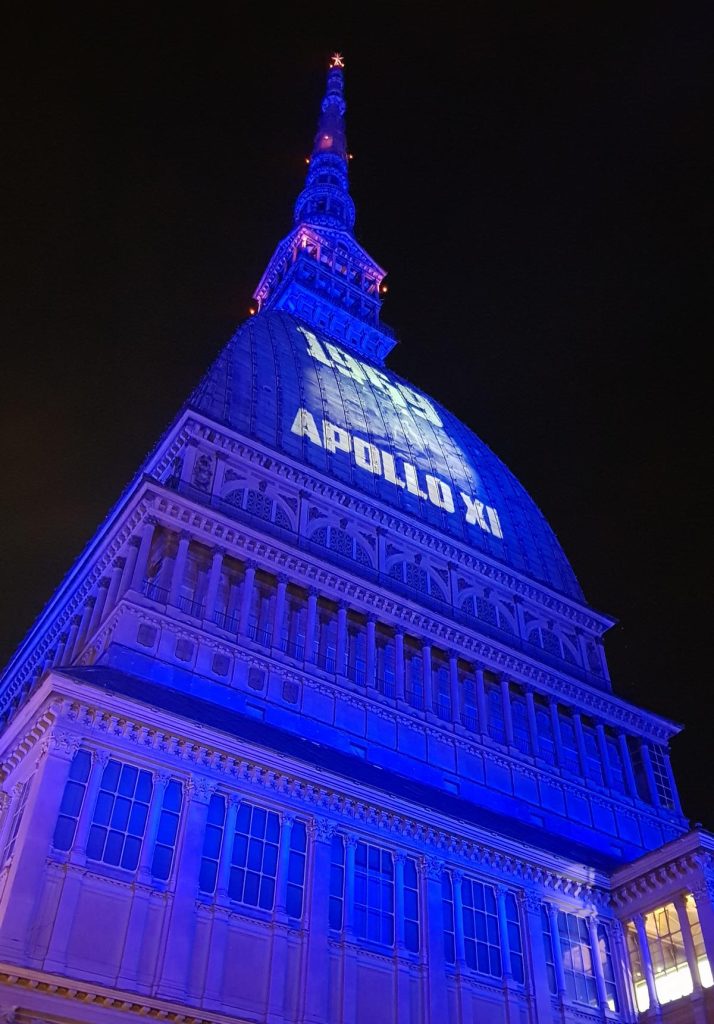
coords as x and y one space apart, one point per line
325 198
320 273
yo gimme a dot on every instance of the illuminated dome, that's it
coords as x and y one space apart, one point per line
297 391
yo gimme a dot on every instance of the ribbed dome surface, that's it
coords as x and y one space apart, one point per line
300 393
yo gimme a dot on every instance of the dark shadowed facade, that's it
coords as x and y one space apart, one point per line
319 727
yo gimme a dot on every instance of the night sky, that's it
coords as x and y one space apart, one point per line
536 182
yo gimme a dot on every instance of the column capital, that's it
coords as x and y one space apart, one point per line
322 830
104 582
313 592
287 819
399 857
160 779
283 577
218 551
185 535
151 521
530 900
200 790
432 867
135 540
119 562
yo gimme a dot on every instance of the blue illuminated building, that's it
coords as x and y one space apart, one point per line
319 728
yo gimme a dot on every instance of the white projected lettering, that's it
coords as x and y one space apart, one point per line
400 473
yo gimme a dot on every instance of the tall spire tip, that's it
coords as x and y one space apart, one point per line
337 60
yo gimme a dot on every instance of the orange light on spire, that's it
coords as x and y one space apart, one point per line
337 60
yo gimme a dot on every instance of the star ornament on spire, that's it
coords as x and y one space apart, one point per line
337 60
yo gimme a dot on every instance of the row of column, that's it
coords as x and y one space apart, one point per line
131 575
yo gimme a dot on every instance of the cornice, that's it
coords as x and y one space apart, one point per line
198 749
76 994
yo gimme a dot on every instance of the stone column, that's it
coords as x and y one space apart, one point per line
627 765
704 898
399 859
175 969
371 653
142 557
317 1005
429 696
436 995
281 877
555 725
597 963
646 961
530 904
279 612
151 829
481 702
501 893
681 907
349 903
83 626
114 585
457 881
310 625
60 649
78 852
99 603
214 582
401 969
179 569
454 687
225 860
132 553
399 665
532 721
246 598
507 714
72 637
21 903
341 653
557 951
602 747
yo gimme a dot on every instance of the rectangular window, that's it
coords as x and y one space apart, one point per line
669 958
18 810
662 779
212 844
120 813
515 942
569 744
386 668
374 894
548 949
167 831
447 906
593 764
494 701
577 954
415 682
72 800
521 729
469 705
411 906
443 693
638 768
608 970
337 883
546 742
296 869
614 760
481 934
254 857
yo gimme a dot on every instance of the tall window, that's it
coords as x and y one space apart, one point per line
411 905
72 800
578 967
212 844
254 857
119 820
374 894
546 742
669 958
663 783
469 704
356 655
521 729
443 693
569 744
494 700
337 883
481 935
386 671
167 831
614 760
296 869
548 949
515 943
415 681
593 763
642 996
638 768
18 811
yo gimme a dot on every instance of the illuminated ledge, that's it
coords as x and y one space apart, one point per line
43 992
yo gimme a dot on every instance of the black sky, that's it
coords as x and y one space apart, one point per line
534 177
